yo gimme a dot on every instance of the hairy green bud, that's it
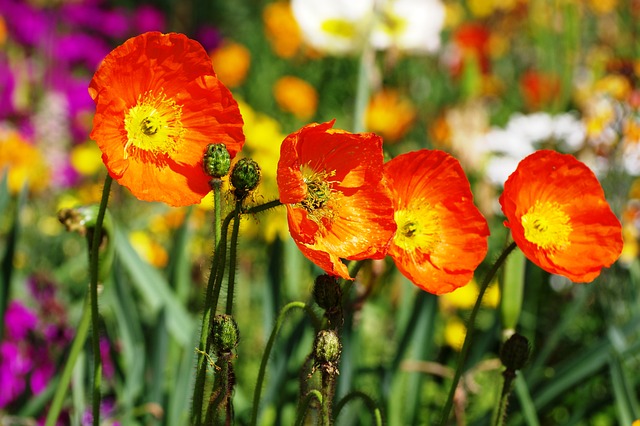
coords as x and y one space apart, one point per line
216 160
245 177
224 334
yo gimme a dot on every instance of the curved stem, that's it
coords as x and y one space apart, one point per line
462 358
94 264
304 407
233 257
267 351
65 378
262 207
376 414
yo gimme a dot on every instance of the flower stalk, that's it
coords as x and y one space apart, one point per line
94 267
462 358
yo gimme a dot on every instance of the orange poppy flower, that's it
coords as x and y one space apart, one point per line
441 236
559 218
337 203
158 105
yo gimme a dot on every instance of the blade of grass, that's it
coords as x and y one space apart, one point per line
154 289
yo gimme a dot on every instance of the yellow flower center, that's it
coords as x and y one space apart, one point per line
339 28
418 228
154 125
547 226
319 192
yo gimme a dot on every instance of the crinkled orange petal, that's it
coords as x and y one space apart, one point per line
358 223
179 69
596 237
435 178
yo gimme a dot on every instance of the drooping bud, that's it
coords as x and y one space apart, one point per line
515 352
224 334
327 292
327 349
216 160
245 176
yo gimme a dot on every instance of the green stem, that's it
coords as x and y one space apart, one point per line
328 391
304 407
501 409
65 378
267 351
209 306
233 257
262 207
462 358
94 261
376 414
363 88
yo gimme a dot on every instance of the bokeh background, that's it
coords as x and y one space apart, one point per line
492 82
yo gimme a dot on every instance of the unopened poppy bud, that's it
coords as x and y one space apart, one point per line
245 176
326 292
327 348
225 334
216 160
515 352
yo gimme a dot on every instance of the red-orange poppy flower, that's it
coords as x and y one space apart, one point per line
158 105
559 218
337 204
441 236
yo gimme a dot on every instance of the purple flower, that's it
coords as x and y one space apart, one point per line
80 48
148 18
14 366
114 23
19 321
209 37
33 26
41 375
7 86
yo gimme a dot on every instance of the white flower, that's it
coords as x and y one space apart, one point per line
409 25
344 26
334 26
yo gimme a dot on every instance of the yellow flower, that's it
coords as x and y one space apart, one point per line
602 7
23 162
296 96
454 333
282 29
464 297
390 115
615 85
148 249
231 62
86 159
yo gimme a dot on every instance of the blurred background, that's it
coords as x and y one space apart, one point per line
489 81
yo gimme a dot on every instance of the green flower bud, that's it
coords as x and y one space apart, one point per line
225 334
216 160
515 352
327 293
327 348
245 176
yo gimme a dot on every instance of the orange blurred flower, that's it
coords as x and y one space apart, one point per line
441 236
538 89
231 62
558 216
282 29
158 105
473 41
22 163
390 115
337 204
296 96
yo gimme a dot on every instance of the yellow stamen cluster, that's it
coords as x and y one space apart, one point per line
547 225
418 228
319 192
154 125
